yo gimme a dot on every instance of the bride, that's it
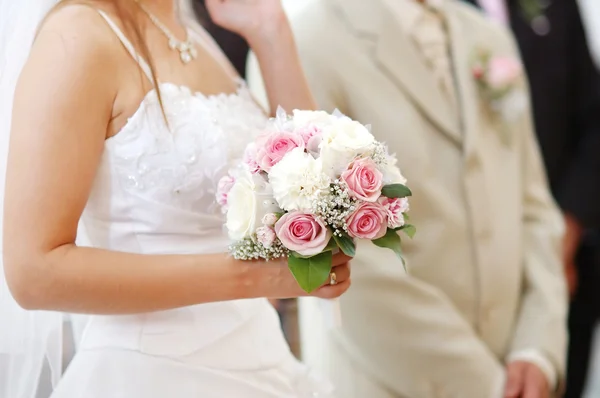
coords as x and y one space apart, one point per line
125 116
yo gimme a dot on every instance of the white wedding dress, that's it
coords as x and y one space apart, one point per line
154 193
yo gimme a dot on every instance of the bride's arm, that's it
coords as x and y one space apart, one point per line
268 32
62 108
282 72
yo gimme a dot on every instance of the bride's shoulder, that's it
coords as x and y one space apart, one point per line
73 48
77 28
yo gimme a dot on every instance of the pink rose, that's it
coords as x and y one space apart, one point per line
274 147
364 180
269 219
303 233
250 158
395 208
368 221
312 137
223 187
503 72
266 236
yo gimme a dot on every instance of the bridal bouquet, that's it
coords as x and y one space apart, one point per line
310 184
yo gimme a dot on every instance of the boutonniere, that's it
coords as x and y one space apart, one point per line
498 79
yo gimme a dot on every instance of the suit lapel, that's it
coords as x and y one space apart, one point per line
398 57
467 90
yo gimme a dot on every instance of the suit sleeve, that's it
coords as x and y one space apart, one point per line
541 325
579 192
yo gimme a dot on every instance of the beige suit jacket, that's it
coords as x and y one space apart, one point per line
485 275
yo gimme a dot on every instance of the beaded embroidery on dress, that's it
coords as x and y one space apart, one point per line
205 135
154 193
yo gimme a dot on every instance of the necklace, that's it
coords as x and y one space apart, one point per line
187 50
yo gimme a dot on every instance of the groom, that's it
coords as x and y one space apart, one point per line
567 118
482 312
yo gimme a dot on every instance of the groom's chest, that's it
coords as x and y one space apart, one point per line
434 138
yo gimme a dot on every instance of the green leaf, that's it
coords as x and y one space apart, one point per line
298 255
332 245
393 191
391 241
409 230
346 245
311 273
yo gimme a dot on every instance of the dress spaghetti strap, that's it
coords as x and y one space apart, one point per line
128 46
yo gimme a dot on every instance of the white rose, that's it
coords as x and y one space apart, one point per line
249 200
348 134
341 143
307 118
391 172
298 180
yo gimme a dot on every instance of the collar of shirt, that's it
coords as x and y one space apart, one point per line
409 12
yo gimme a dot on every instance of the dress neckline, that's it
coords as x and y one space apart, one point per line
165 87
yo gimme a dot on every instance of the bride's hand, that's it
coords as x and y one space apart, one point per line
341 270
287 287
255 20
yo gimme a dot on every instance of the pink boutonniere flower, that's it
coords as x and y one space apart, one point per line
497 75
499 78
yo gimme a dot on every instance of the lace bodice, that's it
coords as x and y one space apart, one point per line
155 187
153 174
204 134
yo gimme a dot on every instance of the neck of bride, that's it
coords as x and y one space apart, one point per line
165 10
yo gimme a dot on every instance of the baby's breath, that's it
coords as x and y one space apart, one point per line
380 153
335 208
252 249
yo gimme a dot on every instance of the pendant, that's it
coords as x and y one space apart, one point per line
186 57
187 50
187 53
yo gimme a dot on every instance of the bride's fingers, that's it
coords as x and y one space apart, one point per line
340 258
339 274
333 291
